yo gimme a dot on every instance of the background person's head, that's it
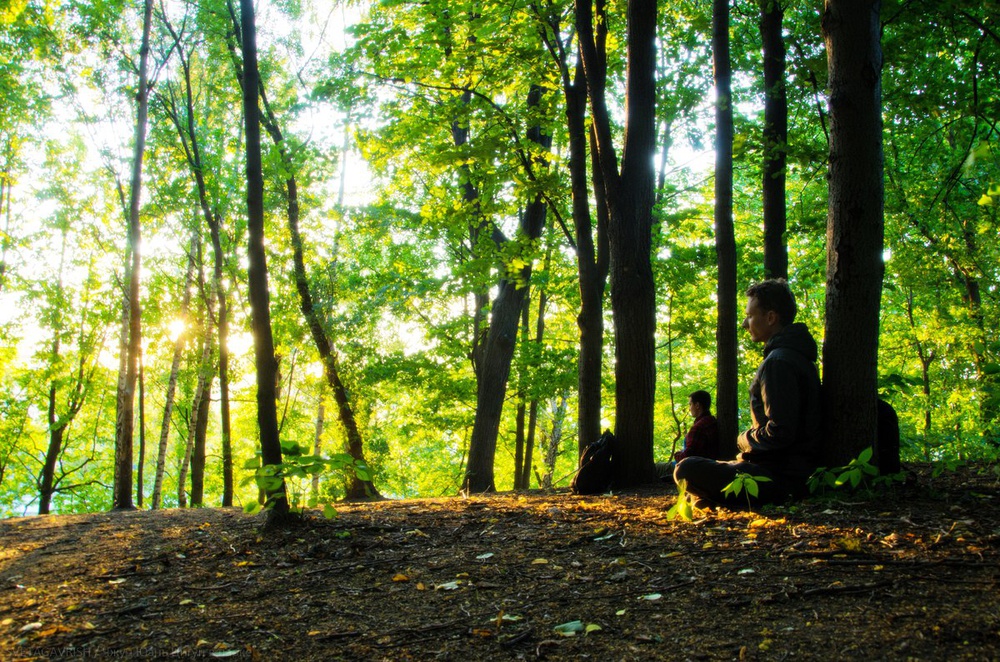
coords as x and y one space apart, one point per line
770 308
700 402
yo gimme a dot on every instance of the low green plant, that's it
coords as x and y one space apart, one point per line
858 474
683 509
747 484
296 470
950 465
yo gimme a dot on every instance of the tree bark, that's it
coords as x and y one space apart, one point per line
855 226
356 488
194 450
122 490
630 196
775 139
502 338
260 298
727 408
187 131
168 405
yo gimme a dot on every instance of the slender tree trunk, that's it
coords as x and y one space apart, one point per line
501 340
555 438
122 493
57 428
46 486
198 449
179 343
592 256
260 297
727 409
854 268
356 488
187 130
630 195
775 139
529 442
318 442
182 473
194 452
141 464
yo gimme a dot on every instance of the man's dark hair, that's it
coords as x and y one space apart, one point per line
774 294
702 398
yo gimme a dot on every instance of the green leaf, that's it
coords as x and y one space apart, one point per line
252 508
569 629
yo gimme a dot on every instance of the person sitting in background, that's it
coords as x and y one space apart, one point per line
702 440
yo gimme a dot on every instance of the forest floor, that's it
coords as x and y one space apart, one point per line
910 574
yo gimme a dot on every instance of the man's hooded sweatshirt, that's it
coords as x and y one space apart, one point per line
785 407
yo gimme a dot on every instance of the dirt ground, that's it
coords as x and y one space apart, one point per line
911 574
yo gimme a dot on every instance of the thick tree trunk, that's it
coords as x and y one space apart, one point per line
630 196
122 490
259 295
775 139
591 255
855 229
727 408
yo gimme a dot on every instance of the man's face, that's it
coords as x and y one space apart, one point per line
760 324
694 408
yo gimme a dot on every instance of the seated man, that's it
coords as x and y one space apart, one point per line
702 440
783 444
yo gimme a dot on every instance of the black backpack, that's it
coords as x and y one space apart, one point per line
594 474
887 441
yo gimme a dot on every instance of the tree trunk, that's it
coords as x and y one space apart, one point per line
198 449
46 485
122 491
356 488
775 139
592 258
552 447
529 442
854 268
141 463
630 196
318 443
168 406
501 339
727 408
182 473
260 298
187 130
194 456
